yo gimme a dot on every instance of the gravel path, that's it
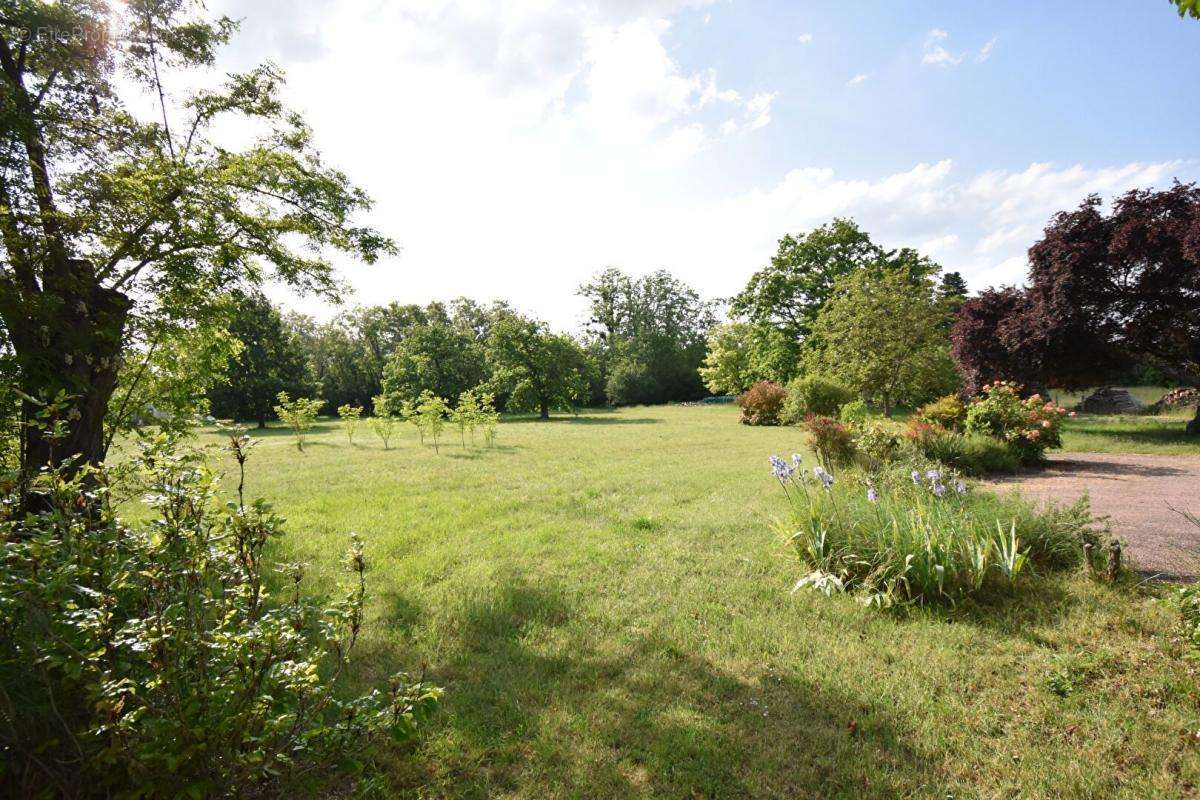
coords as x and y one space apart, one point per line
1136 492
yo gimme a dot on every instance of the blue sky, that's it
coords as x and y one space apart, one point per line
514 148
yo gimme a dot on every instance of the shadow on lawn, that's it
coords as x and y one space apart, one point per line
593 416
533 708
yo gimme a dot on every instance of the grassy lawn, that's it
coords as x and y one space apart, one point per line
609 610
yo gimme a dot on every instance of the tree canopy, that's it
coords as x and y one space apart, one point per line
110 215
1104 290
649 335
270 360
537 370
882 335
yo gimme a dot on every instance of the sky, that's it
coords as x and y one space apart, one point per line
513 149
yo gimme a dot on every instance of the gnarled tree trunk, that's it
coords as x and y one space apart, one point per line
69 349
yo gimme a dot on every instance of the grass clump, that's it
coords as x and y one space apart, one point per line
919 537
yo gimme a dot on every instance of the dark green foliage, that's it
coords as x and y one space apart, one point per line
438 357
788 294
537 370
983 455
174 658
271 361
814 394
762 403
649 334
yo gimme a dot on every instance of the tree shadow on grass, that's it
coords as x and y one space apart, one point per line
536 706
592 417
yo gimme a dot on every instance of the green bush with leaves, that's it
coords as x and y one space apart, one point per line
465 416
170 658
383 421
298 414
814 394
488 416
881 441
351 416
432 412
949 412
854 413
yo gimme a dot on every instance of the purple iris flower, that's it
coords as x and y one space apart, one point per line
960 487
872 495
916 478
939 489
934 476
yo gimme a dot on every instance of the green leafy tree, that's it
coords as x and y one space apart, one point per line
1189 8
432 411
383 420
109 212
488 416
729 366
465 415
298 414
437 357
649 335
269 361
351 416
790 292
537 369
883 337
952 292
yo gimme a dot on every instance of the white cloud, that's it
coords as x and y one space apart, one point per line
985 52
805 38
858 80
513 149
936 53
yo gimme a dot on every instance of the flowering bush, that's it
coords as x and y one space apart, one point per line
917 536
170 659
1030 425
762 403
832 441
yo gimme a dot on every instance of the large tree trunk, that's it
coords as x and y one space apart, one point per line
69 358
1193 427
545 410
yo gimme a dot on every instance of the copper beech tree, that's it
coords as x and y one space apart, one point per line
1105 289
119 202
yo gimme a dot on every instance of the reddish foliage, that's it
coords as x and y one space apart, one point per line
1103 290
762 403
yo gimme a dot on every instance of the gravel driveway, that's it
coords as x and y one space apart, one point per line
1136 491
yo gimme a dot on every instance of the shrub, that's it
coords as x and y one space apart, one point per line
762 403
854 413
299 414
351 415
465 416
1187 601
919 537
880 440
983 455
489 417
832 441
813 394
383 421
948 412
159 660
432 412
1029 425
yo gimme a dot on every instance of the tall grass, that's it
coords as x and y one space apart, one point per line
919 536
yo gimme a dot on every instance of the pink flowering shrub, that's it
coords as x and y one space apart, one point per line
1028 425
